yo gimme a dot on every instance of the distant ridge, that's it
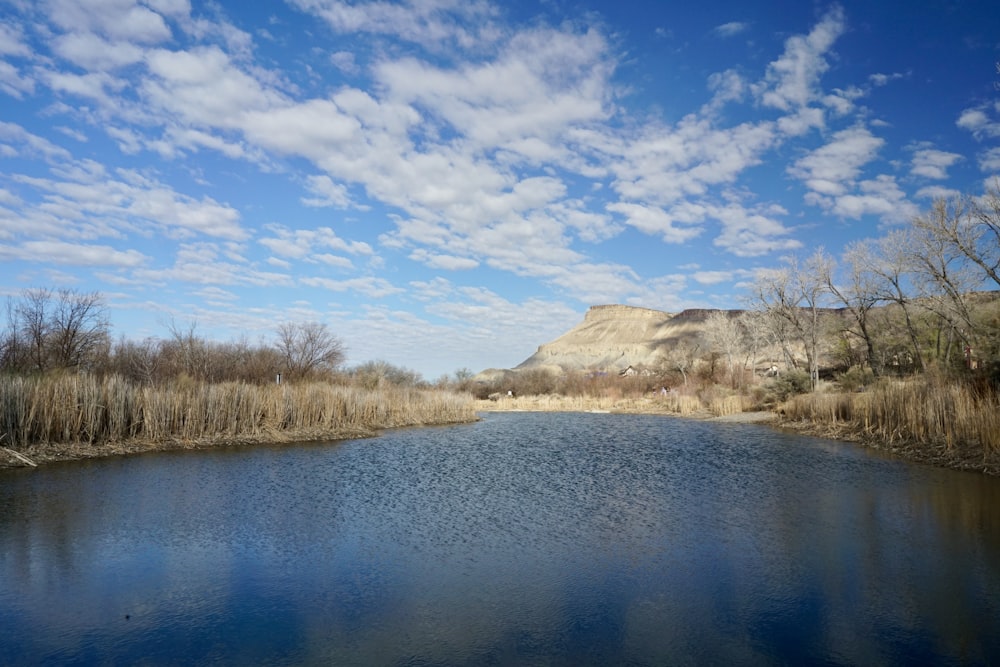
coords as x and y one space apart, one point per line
613 337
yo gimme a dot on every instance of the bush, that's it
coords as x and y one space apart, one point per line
855 378
788 384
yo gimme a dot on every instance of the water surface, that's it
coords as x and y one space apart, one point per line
522 539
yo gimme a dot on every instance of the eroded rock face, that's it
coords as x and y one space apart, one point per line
613 337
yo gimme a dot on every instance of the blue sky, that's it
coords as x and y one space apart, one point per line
450 183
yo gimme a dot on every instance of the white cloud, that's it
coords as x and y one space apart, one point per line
932 163
441 261
880 196
730 29
663 165
711 277
327 192
752 232
84 201
791 81
978 122
12 42
989 160
203 263
345 62
880 79
13 83
203 87
369 286
936 192
656 221
831 169
542 82
26 144
303 243
73 254
430 24
336 261
93 52
120 19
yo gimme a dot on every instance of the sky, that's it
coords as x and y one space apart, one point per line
447 184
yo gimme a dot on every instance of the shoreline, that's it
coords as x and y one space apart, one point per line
961 458
966 458
45 453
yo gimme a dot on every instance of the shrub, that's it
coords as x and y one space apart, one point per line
788 384
855 378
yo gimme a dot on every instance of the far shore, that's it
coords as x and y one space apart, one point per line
956 457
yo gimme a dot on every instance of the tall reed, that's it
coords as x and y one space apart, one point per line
86 409
916 411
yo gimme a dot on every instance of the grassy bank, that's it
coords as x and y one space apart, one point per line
673 403
79 415
950 424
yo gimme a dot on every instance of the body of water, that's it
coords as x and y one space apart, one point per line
523 539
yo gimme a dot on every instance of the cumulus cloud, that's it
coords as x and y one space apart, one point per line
430 24
792 81
327 192
978 122
304 243
932 163
989 160
116 19
880 196
831 169
656 221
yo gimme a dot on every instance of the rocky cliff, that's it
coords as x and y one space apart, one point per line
613 337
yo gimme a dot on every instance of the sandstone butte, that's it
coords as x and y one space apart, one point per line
613 337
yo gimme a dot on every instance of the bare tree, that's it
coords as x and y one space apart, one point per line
78 328
858 294
55 329
794 294
890 261
968 227
32 314
308 348
13 352
723 334
754 327
138 361
681 357
943 271
186 350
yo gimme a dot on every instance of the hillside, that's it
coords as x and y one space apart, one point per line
613 337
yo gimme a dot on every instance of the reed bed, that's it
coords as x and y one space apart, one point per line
672 403
914 412
90 410
722 406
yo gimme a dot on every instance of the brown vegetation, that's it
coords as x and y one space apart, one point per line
60 416
940 421
67 391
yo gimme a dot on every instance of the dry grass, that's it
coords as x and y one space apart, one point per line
721 406
673 403
950 416
84 409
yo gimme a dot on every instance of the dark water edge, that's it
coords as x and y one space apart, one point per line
522 539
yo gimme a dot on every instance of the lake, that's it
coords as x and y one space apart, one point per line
526 538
